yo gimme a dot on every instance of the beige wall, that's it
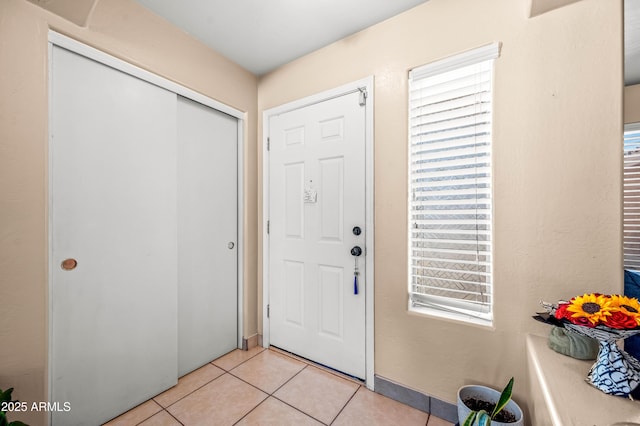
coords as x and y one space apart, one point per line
124 29
632 104
557 172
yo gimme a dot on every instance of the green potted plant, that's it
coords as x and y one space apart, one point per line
481 405
6 402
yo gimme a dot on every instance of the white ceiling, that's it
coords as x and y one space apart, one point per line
262 35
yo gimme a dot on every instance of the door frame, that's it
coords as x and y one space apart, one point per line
57 39
366 84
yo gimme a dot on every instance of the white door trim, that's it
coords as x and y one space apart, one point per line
77 47
367 85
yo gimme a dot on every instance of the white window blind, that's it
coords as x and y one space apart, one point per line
631 211
450 207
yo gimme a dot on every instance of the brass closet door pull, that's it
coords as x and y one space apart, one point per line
69 264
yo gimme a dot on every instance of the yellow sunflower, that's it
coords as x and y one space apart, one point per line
594 307
627 305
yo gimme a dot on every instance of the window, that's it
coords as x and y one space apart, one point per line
631 210
450 201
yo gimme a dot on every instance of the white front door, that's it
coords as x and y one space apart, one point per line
317 198
113 218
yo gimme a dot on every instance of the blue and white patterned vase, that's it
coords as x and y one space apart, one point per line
615 372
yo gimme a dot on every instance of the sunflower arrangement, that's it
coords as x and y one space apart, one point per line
592 310
607 318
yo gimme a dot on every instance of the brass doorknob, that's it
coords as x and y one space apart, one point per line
69 264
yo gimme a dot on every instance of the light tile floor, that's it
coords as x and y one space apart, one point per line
267 387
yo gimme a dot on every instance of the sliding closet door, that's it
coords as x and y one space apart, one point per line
207 234
114 240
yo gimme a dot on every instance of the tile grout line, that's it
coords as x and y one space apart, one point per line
250 411
306 364
290 378
319 366
145 419
174 417
271 395
262 390
250 384
345 405
237 365
183 397
205 384
299 411
286 403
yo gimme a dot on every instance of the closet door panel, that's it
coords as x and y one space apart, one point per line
113 203
207 234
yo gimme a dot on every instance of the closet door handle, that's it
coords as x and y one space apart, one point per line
231 245
69 264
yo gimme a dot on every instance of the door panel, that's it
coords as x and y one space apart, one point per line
113 209
331 282
294 293
317 195
332 205
207 224
294 204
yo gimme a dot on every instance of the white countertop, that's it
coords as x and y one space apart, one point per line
569 399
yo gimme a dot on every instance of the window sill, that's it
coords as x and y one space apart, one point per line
454 317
